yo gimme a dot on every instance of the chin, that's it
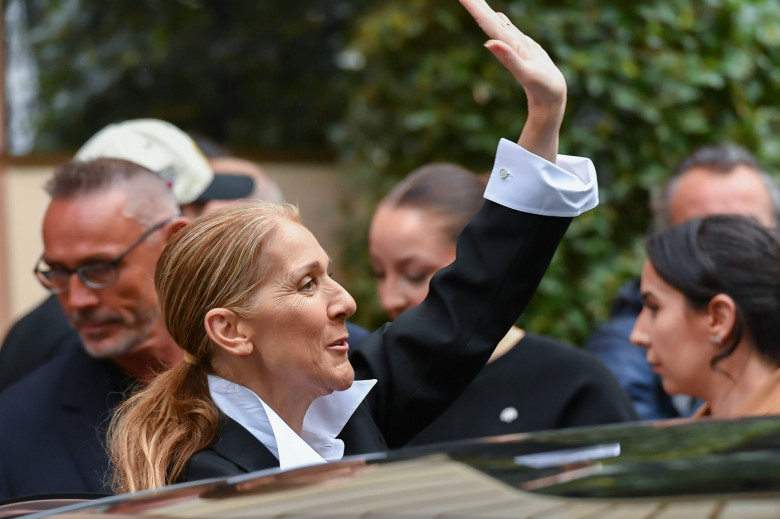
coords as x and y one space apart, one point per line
109 347
345 381
670 388
342 387
98 350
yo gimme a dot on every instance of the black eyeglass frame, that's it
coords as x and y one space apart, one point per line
44 277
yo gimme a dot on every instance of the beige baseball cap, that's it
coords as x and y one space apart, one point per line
168 151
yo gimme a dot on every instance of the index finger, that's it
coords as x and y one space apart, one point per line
486 18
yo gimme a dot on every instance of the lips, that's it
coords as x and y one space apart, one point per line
90 326
339 344
94 330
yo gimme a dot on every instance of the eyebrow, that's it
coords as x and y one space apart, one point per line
412 257
89 260
311 266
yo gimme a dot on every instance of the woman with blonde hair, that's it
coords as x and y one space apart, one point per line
267 380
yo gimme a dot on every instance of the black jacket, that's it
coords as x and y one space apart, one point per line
425 359
34 339
53 423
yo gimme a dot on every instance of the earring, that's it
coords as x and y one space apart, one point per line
716 340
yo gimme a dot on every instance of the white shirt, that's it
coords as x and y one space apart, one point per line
526 182
323 421
519 180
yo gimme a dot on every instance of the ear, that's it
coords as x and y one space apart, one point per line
722 316
174 226
224 329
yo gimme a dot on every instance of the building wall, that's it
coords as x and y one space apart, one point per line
314 187
23 205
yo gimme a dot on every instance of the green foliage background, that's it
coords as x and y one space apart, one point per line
647 82
388 85
258 75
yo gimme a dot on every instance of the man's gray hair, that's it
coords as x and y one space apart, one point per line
718 158
149 198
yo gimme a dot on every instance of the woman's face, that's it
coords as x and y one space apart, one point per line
407 246
676 336
298 327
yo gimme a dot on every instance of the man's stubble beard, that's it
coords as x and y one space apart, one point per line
126 339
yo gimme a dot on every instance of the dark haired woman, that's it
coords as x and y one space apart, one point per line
711 291
531 382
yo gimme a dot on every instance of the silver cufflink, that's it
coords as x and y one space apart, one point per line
503 173
508 415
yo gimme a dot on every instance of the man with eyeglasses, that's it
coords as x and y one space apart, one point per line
176 158
104 228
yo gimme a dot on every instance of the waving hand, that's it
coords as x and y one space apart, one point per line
529 63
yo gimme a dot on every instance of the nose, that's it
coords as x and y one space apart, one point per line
342 304
638 334
78 295
391 297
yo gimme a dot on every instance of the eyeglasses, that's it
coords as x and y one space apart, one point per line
101 274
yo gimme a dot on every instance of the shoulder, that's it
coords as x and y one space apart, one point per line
43 378
615 331
34 408
45 323
208 464
574 378
547 349
62 380
234 451
33 340
545 355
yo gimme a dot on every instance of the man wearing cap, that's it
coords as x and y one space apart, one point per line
104 228
103 231
172 154
198 185
160 147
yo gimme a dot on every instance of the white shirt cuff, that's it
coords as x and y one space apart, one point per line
526 182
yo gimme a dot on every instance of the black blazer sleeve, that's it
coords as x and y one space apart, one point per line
430 353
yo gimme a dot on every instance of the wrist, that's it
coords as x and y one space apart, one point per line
546 115
541 129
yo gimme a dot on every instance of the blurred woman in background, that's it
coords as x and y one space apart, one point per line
711 315
531 382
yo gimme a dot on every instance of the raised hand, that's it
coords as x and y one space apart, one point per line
529 63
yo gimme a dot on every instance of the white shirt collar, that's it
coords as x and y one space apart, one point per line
323 421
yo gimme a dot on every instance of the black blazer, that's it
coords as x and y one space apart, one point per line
425 359
52 425
33 340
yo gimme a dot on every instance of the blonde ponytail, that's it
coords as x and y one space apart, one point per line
156 431
214 262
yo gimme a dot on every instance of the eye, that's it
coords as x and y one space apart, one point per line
99 273
651 307
417 277
309 284
378 274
